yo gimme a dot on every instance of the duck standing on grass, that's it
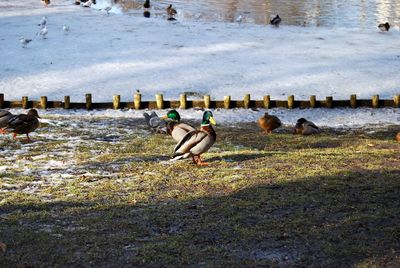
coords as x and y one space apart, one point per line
23 124
269 123
197 142
305 127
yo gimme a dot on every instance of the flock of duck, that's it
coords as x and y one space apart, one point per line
191 142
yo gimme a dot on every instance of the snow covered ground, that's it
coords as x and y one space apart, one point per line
119 53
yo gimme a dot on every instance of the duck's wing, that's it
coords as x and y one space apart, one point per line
5 116
195 142
179 130
18 122
310 124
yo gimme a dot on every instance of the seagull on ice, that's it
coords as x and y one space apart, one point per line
87 3
384 27
65 29
239 19
43 32
275 21
43 22
24 41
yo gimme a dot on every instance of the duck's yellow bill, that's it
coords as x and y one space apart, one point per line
212 120
164 117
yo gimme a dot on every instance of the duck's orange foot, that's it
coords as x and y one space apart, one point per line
199 162
2 131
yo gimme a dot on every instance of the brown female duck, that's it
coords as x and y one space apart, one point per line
269 122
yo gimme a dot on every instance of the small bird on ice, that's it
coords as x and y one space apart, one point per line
384 27
276 21
43 32
65 29
239 19
43 22
24 41
108 9
45 2
87 4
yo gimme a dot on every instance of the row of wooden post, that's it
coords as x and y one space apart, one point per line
183 102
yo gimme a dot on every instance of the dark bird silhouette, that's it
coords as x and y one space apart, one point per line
45 2
171 12
146 4
276 21
23 124
5 116
384 27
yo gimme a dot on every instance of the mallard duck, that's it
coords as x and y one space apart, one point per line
305 127
276 21
384 27
171 11
23 123
398 137
269 122
197 142
5 116
174 127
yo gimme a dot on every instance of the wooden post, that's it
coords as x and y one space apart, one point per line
43 102
290 102
396 101
183 100
227 102
137 99
67 102
267 101
375 101
353 101
160 101
207 101
24 102
329 102
313 101
88 101
246 101
117 102
1 100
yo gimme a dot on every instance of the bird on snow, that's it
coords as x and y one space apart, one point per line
384 27
146 4
45 2
43 32
43 22
24 41
107 10
276 21
65 28
87 3
171 12
239 19
269 123
77 2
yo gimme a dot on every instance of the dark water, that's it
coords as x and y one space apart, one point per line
328 13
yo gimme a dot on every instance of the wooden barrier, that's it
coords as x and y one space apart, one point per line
183 103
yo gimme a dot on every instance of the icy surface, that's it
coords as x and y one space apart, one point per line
119 53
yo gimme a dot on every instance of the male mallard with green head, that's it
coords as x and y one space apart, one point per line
174 127
305 127
197 142
269 122
23 123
